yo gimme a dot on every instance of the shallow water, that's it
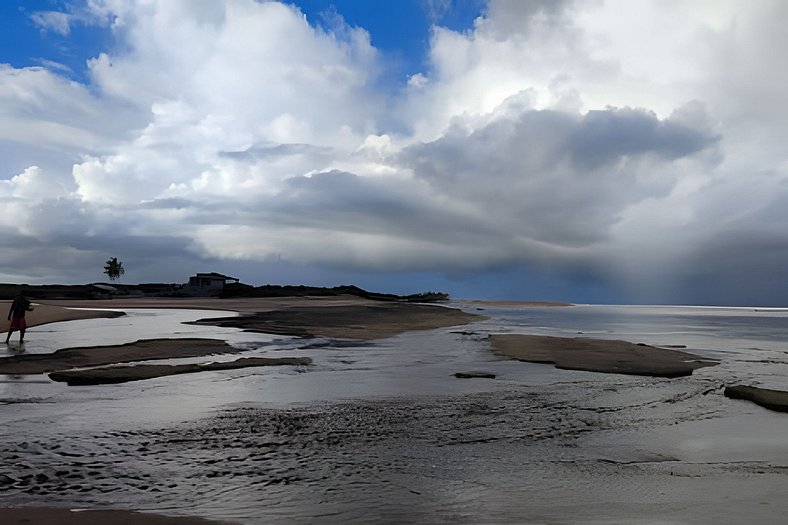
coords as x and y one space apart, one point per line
382 431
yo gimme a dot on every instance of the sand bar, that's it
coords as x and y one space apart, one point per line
598 355
50 516
340 317
143 350
367 320
60 365
124 374
776 400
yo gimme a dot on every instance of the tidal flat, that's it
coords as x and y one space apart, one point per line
381 430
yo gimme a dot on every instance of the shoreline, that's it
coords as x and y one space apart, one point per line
518 304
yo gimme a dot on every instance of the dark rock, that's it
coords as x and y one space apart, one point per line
472 375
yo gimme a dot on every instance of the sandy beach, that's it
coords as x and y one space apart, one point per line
52 313
385 428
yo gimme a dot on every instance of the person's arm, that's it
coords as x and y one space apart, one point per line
10 310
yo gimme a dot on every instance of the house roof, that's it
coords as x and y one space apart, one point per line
214 275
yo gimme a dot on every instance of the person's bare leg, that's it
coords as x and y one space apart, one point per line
8 337
21 335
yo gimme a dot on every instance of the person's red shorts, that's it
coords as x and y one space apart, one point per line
18 323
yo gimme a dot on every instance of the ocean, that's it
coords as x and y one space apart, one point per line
384 432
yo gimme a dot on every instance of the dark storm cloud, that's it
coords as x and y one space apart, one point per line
604 136
350 202
738 267
552 176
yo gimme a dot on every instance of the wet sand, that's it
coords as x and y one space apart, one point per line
596 448
143 350
124 374
344 317
337 317
52 313
348 321
59 364
776 400
526 455
51 516
341 318
598 355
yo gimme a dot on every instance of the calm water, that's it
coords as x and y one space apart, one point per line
382 431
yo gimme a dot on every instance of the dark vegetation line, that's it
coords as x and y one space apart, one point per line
234 290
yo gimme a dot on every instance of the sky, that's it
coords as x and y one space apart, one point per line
594 151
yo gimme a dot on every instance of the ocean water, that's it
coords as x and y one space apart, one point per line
383 432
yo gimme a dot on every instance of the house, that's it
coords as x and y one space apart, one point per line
209 282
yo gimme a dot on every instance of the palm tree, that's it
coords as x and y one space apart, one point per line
114 268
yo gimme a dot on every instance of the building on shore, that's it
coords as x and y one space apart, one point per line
208 283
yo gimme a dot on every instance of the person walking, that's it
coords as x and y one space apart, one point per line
19 307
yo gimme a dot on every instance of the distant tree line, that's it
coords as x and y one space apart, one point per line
270 290
86 291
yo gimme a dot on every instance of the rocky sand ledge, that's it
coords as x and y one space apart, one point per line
776 400
598 355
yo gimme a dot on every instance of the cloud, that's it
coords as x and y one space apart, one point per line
613 142
436 9
90 13
53 21
604 136
553 182
257 78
